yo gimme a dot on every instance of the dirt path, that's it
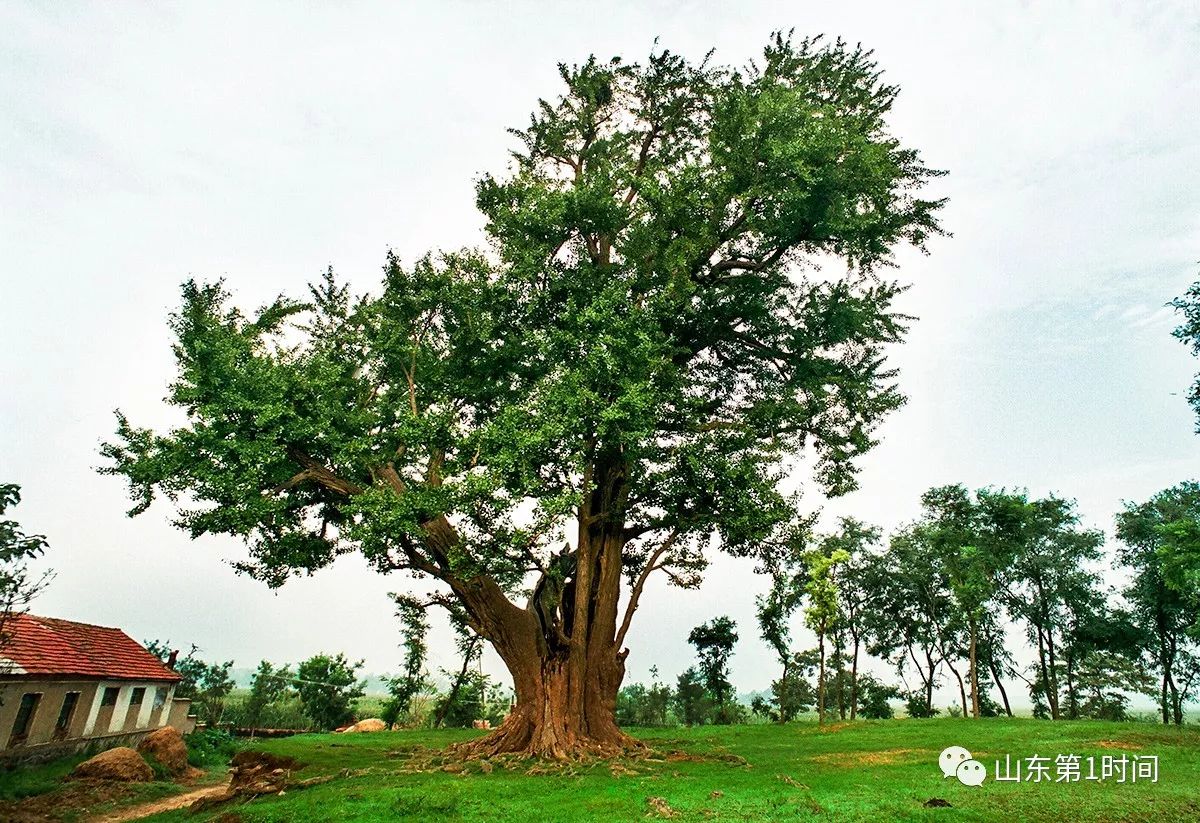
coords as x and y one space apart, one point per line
167 804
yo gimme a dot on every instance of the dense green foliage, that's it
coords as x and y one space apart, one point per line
210 747
1162 614
414 627
18 584
640 705
327 686
206 684
693 703
714 642
269 686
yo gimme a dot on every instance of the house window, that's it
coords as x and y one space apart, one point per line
25 713
137 695
160 697
110 696
65 714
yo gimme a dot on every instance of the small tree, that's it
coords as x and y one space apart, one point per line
658 700
692 700
859 587
458 700
205 684
784 564
641 705
714 642
822 612
917 704
327 687
414 627
269 685
873 697
1163 614
18 585
973 542
793 693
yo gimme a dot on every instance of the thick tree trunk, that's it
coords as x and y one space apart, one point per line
546 721
562 650
1176 703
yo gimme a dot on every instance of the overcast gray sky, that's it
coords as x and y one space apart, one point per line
145 143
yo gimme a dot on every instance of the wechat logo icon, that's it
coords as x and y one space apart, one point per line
957 762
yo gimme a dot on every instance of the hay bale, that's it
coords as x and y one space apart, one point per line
167 747
120 764
371 724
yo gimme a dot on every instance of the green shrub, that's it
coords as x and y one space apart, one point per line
209 747
161 772
286 713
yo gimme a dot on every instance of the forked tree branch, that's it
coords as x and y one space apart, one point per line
635 593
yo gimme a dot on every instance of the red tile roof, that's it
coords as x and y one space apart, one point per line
48 646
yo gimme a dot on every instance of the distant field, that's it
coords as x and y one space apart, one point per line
879 771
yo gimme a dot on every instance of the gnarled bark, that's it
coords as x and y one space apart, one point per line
563 649
547 722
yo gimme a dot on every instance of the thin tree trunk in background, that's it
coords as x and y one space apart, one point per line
1163 704
841 670
821 678
1176 703
1176 700
1072 698
929 684
854 680
993 668
1042 672
456 686
962 689
974 674
1051 673
785 713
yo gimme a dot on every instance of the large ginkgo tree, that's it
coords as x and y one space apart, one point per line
681 290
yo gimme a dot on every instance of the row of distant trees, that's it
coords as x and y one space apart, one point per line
320 691
941 600
325 692
946 598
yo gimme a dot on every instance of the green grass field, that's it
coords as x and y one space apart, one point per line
879 771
